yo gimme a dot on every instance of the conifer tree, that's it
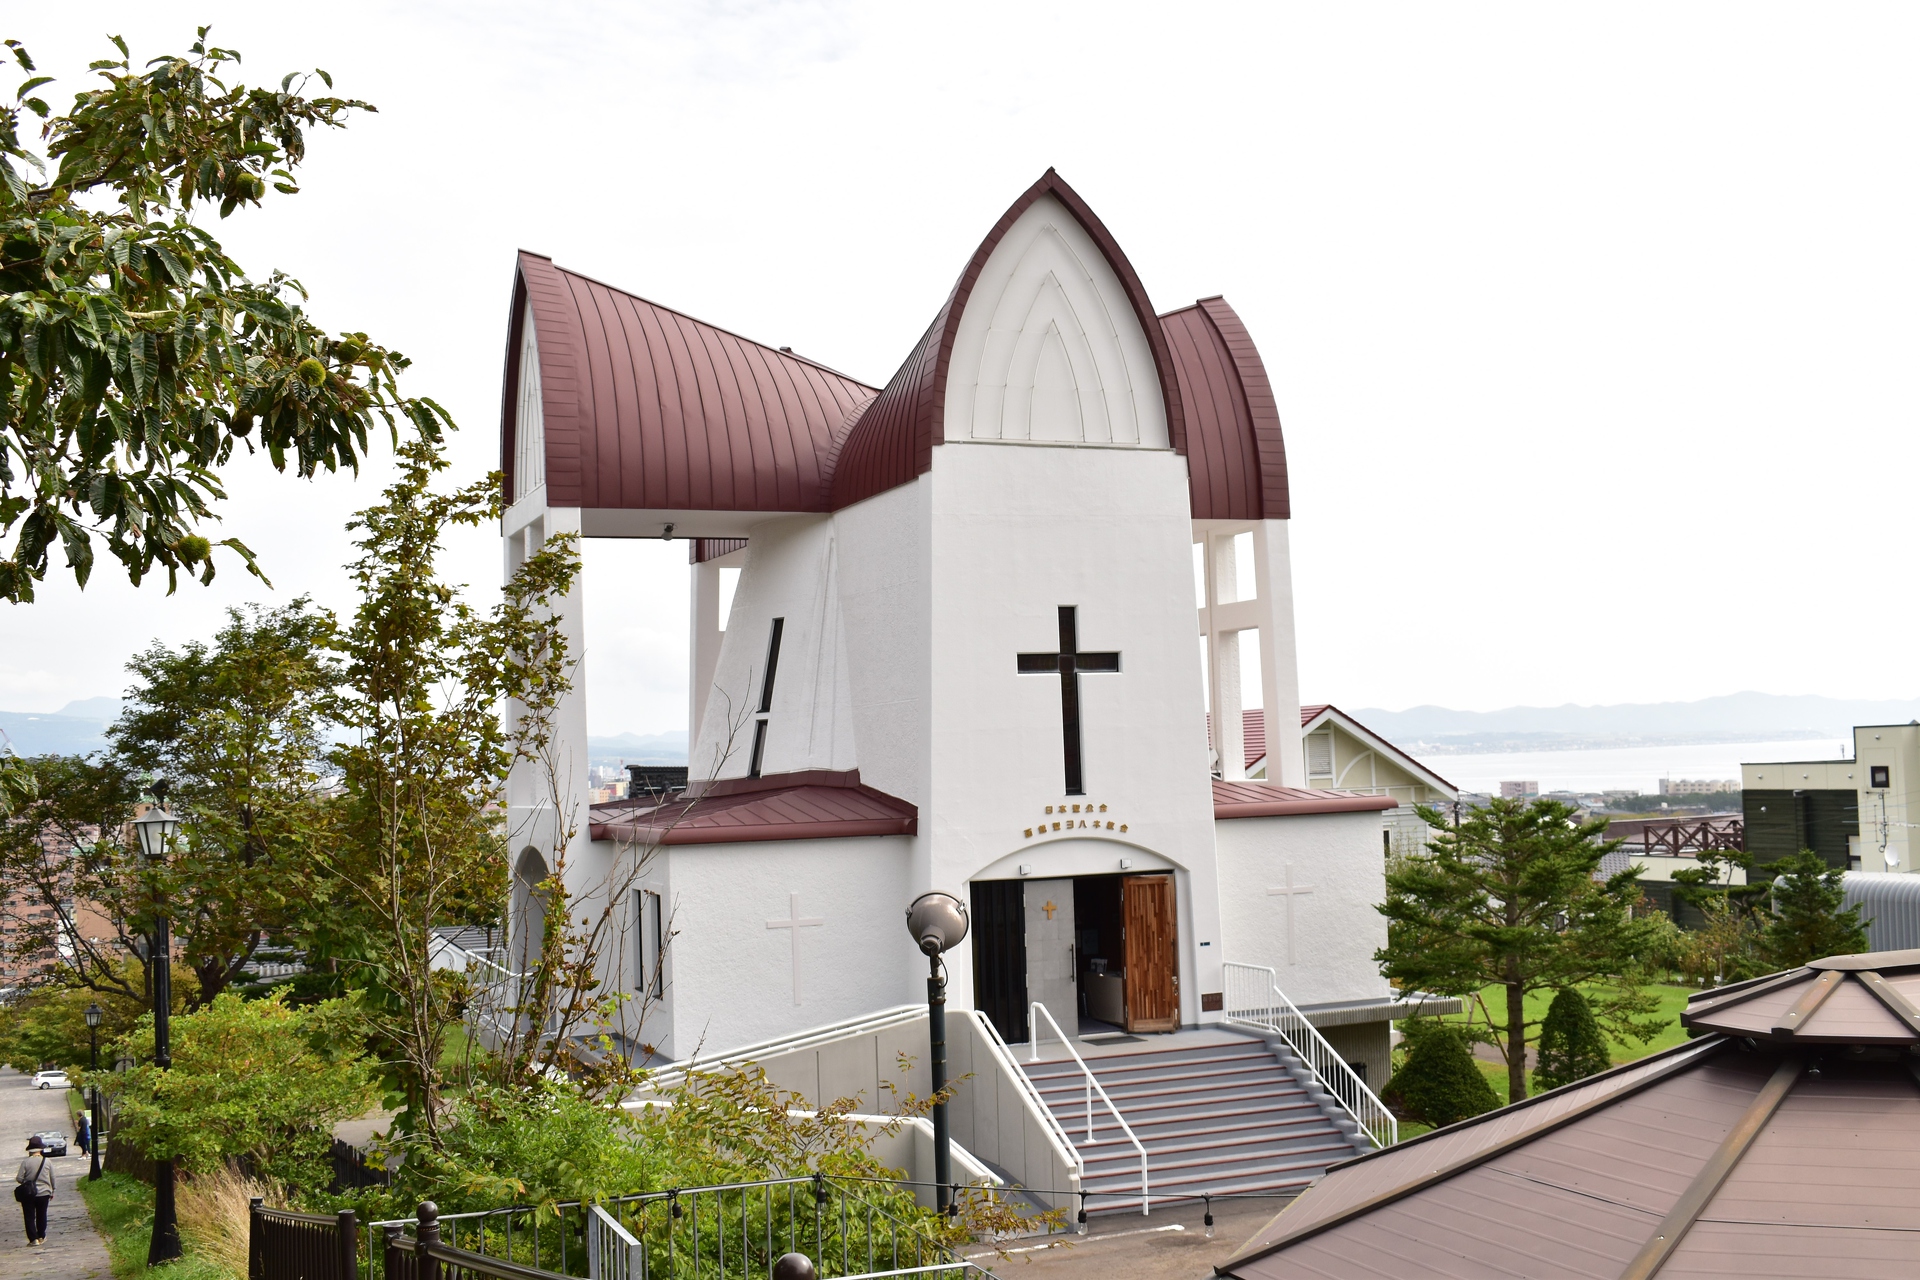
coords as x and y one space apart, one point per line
1512 899
1438 1084
1571 1046
1807 921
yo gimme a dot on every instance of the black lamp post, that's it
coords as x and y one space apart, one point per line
156 827
937 922
93 1092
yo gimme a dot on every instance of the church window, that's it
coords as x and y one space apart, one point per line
650 953
766 699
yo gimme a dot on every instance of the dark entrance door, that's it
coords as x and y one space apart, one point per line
1153 953
1000 956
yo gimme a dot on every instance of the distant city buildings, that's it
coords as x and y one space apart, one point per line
1519 790
1697 786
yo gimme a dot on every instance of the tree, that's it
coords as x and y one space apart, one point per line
1726 948
1437 1083
415 837
257 1078
1571 1046
48 1024
135 355
1509 899
1807 922
237 728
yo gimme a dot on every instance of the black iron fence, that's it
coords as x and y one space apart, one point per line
283 1245
354 1168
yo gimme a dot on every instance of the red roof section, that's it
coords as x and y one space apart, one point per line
893 440
647 408
1236 459
1266 800
1309 714
812 804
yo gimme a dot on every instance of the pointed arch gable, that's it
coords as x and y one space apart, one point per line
892 441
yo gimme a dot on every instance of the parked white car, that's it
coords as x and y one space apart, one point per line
54 1079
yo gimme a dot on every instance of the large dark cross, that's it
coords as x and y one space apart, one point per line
1069 662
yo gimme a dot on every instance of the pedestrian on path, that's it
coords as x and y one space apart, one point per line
33 1188
84 1137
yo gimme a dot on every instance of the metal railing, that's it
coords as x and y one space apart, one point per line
732 1231
1093 1087
1036 1105
1254 1001
663 1079
283 1245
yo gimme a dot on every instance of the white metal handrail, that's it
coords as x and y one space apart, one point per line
670 1074
1036 1105
1093 1087
612 1251
1254 1000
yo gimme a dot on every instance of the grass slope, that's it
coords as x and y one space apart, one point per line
122 1211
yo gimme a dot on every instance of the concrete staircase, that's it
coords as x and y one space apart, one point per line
1224 1114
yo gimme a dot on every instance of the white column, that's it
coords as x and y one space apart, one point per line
1279 665
703 649
1223 659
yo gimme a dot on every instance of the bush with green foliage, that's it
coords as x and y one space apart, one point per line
47 1026
259 1079
1437 1083
1571 1046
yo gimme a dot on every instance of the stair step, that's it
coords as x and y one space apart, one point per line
1167 1176
1065 1084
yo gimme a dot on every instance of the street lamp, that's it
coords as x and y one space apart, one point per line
93 1091
156 828
937 922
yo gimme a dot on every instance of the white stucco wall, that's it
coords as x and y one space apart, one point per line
1340 856
732 976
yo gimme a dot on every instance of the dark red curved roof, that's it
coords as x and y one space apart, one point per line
892 442
647 408
1236 459
813 804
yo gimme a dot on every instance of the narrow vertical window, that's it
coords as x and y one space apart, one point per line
766 699
650 958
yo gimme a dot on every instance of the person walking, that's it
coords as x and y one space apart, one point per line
84 1136
33 1188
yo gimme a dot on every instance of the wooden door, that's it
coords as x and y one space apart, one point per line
1153 953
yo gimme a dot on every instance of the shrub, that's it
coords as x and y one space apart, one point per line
1807 922
1571 1046
250 1078
1437 1083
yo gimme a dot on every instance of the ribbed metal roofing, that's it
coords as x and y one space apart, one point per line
811 804
1269 800
1236 459
1889 903
646 408
1733 1155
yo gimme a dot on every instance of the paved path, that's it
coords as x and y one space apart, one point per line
1172 1244
73 1250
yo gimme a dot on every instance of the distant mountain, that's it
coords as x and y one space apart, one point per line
1737 717
639 748
34 734
106 710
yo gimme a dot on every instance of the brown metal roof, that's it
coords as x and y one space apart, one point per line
892 442
645 407
812 804
1838 1000
1725 1156
1236 459
1268 800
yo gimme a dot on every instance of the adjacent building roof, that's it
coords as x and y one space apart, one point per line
1269 800
1778 1144
646 408
1313 717
812 804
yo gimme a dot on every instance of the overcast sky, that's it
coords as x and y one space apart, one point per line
1593 328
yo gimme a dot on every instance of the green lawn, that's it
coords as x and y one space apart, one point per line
122 1210
1672 1000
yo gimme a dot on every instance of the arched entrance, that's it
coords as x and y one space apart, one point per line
530 904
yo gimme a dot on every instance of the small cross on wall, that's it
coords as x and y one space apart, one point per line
1290 891
795 922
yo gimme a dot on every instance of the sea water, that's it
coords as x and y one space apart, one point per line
1624 768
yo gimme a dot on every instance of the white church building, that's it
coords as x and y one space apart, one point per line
981 615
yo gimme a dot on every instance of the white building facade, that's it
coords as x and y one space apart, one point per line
960 656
